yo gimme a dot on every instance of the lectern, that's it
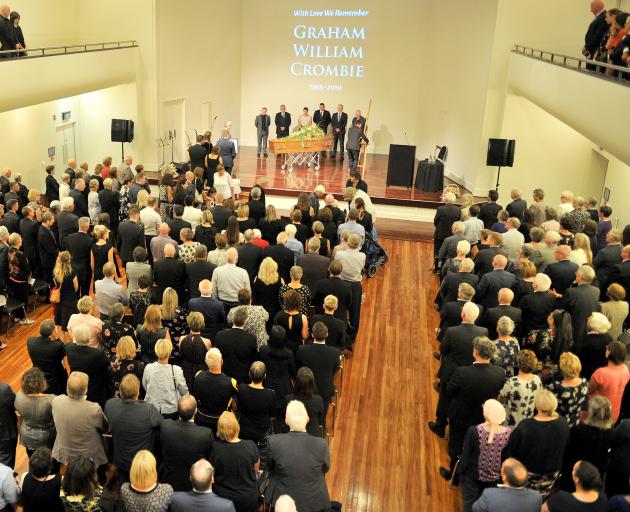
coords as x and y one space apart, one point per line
400 165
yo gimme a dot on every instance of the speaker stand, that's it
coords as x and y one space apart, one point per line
498 175
122 151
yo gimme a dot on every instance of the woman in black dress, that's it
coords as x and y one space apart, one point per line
305 207
193 348
149 332
270 226
213 159
19 274
102 251
305 391
293 320
280 363
67 281
588 495
14 18
236 463
179 196
243 218
266 287
114 328
324 243
41 486
325 216
356 181
365 217
205 232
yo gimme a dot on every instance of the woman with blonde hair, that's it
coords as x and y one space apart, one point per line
465 203
243 218
125 362
324 243
163 382
142 199
143 492
236 463
452 264
173 316
205 232
296 285
193 348
572 390
480 462
94 205
66 280
539 442
102 251
34 201
150 332
266 287
270 225
581 253
187 248
615 309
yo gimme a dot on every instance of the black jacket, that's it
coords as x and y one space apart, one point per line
562 275
535 308
340 289
95 363
176 225
322 119
445 215
604 262
488 213
620 273
220 215
80 246
8 38
256 210
169 272
596 31
450 284
580 302
456 348
517 208
80 203
48 355
47 247
249 258
337 332
197 154
315 269
280 122
490 284
451 316
284 257
323 360
591 349
12 222
492 315
29 229
129 236
197 271
67 223
483 260
52 188
339 122
110 203
239 350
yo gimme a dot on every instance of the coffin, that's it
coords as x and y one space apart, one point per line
281 146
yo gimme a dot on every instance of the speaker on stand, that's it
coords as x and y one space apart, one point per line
122 131
501 154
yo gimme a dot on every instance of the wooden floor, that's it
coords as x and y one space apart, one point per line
384 458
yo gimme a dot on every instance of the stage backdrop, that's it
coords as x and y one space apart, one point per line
301 53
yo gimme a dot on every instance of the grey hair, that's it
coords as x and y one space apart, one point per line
505 326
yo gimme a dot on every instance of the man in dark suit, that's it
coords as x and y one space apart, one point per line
620 273
29 229
220 213
469 387
198 270
518 205
322 359
110 203
169 273
581 300
249 255
14 193
177 223
11 218
314 265
262 124
322 117
451 312
8 426
562 272
491 317
80 200
71 168
353 146
89 360
339 121
130 235
183 443
197 153
456 350
492 282
606 259
445 216
337 331
256 205
47 247
596 30
336 286
8 36
450 284
201 496
283 122
282 255
80 246
47 353
488 211
238 347
67 221
212 310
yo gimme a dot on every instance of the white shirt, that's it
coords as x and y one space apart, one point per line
513 240
564 208
192 215
64 191
151 221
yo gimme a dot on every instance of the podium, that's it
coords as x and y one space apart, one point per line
400 165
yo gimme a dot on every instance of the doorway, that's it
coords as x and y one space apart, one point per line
174 130
65 143
595 179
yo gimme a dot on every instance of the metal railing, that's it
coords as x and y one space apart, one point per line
51 51
592 67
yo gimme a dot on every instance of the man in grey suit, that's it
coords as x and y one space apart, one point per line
355 136
512 496
298 464
262 123
227 151
339 121
201 497
358 120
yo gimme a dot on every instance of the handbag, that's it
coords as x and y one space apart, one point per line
55 294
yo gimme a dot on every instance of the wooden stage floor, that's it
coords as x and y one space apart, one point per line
384 458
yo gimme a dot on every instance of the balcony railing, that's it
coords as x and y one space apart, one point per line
619 74
51 51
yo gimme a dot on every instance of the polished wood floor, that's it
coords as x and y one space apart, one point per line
384 458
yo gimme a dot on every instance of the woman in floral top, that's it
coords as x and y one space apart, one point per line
125 363
295 284
507 346
572 390
187 249
257 317
114 329
518 392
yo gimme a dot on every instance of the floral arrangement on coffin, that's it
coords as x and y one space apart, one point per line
311 132
168 169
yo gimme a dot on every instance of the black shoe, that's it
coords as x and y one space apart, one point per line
436 386
333 155
437 429
445 474
437 355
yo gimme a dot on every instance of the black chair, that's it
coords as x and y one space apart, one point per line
10 308
39 288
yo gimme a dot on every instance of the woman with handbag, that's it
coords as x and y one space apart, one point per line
164 383
64 294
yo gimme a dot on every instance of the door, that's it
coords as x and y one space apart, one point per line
173 130
595 179
65 144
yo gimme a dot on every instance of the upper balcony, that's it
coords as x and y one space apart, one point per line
595 105
47 74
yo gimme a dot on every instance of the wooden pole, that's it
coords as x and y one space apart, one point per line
362 151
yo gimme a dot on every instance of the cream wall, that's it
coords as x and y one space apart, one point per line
618 181
48 22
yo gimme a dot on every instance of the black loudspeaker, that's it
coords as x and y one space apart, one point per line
122 130
400 165
500 152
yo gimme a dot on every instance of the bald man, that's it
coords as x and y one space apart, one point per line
71 168
228 279
201 497
513 495
562 272
170 272
488 290
8 37
596 30
505 308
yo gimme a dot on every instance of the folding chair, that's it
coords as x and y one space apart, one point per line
37 288
10 308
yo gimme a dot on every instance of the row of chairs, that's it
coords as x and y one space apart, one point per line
38 289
